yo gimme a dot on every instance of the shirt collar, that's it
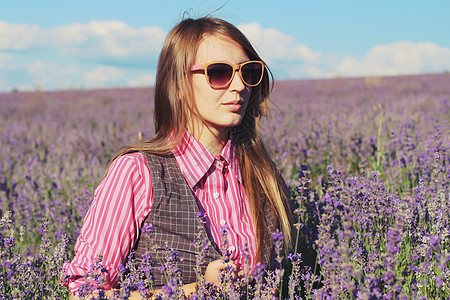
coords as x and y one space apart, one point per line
229 154
195 160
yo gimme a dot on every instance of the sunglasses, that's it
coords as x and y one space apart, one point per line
220 74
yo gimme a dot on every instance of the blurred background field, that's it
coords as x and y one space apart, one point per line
55 147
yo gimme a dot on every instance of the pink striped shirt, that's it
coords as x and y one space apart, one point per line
124 198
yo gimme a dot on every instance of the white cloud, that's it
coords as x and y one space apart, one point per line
6 60
113 39
47 69
290 59
141 81
275 45
20 36
52 74
94 40
398 58
102 75
104 53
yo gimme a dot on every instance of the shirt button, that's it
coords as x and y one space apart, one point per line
223 222
72 285
231 248
216 195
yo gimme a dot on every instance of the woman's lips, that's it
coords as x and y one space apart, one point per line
234 106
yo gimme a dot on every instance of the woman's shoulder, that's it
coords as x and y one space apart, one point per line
134 161
142 161
134 157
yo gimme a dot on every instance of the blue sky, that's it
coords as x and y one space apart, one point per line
90 44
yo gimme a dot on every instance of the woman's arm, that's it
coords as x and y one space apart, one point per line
112 223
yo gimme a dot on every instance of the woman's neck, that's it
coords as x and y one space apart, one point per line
213 140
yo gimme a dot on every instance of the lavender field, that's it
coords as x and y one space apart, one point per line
367 160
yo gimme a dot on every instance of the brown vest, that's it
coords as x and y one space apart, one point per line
175 222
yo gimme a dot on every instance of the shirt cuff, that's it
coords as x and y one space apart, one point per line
75 274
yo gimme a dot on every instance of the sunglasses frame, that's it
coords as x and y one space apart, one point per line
238 67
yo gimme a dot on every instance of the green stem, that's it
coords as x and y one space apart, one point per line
379 146
314 272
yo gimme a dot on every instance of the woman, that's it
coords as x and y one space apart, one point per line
207 156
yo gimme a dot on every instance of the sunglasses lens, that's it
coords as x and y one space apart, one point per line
219 74
252 73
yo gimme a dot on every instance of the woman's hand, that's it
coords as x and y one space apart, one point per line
213 269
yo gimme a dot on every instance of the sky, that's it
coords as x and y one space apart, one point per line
54 45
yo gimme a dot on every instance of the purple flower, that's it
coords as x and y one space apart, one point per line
167 290
258 271
297 258
10 242
122 268
393 238
147 228
435 242
201 215
277 236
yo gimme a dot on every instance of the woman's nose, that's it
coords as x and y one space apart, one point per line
237 84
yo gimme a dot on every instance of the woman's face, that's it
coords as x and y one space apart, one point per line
219 108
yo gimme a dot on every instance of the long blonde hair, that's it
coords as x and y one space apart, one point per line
173 81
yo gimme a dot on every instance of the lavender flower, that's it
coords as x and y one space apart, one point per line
379 222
